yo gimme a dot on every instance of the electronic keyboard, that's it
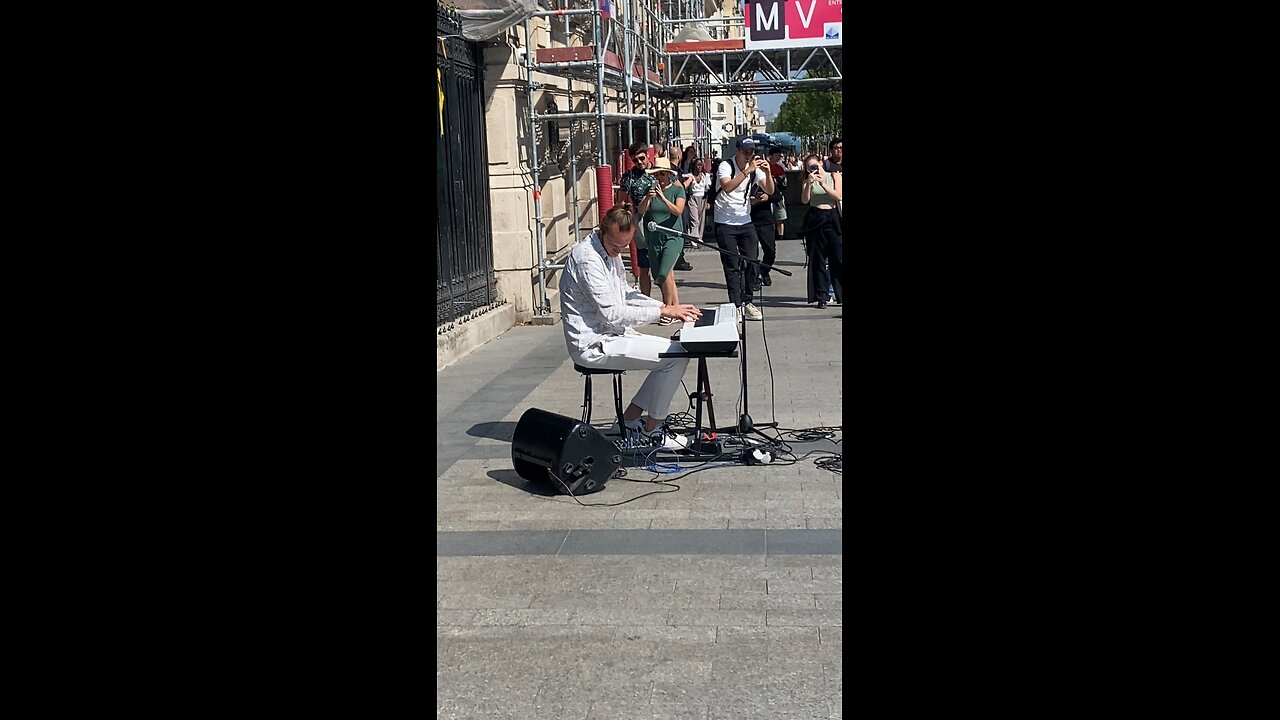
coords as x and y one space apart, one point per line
715 331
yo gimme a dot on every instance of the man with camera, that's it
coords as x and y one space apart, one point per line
738 179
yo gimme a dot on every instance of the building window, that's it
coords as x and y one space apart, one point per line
720 108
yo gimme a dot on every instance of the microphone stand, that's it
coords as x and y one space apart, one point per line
745 424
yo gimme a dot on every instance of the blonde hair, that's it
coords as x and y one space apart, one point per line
618 217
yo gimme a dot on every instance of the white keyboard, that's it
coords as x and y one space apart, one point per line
715 331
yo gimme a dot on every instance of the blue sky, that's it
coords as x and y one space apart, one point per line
771 103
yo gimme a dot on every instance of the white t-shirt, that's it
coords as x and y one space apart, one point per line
734 208
699 188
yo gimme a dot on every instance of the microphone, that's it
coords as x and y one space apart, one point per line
655 227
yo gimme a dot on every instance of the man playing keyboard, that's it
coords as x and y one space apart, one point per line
600 316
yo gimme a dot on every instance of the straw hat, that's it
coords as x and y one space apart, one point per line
660 165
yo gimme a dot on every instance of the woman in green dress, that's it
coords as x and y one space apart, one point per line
665 206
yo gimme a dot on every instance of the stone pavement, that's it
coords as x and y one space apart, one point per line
719 600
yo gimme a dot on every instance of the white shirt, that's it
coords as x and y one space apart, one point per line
595 304
733 208
699 188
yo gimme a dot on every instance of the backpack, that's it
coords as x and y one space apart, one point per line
714 190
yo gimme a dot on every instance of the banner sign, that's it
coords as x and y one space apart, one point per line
793 23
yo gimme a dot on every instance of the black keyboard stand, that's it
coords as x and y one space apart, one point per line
745 424
709 448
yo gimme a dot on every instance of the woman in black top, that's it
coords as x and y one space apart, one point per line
822 230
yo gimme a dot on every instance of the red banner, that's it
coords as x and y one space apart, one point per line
793 23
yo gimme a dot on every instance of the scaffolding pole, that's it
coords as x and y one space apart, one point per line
544 307
627 62
566 13
573 156
586 115
644 73
595 36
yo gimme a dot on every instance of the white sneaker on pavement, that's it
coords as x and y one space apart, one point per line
660 437
635 431
752 312
668 439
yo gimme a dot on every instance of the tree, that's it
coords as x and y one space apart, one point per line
810 113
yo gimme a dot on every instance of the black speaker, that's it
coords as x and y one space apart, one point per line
580 456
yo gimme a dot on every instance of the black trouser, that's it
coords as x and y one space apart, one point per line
767 233
738 274
825 241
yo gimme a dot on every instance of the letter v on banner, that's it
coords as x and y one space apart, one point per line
804 23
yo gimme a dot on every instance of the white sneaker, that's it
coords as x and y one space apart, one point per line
660 437
667 439
752 312
634 431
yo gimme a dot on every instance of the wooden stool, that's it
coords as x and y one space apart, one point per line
586 395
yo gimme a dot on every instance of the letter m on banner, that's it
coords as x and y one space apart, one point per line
764 18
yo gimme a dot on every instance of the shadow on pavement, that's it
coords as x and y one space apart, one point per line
502 430
509 477
633 460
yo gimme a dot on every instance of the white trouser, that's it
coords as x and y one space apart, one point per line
640 352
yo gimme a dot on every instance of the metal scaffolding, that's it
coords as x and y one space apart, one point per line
754 72
631 49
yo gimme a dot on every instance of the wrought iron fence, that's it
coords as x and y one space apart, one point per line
464 239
